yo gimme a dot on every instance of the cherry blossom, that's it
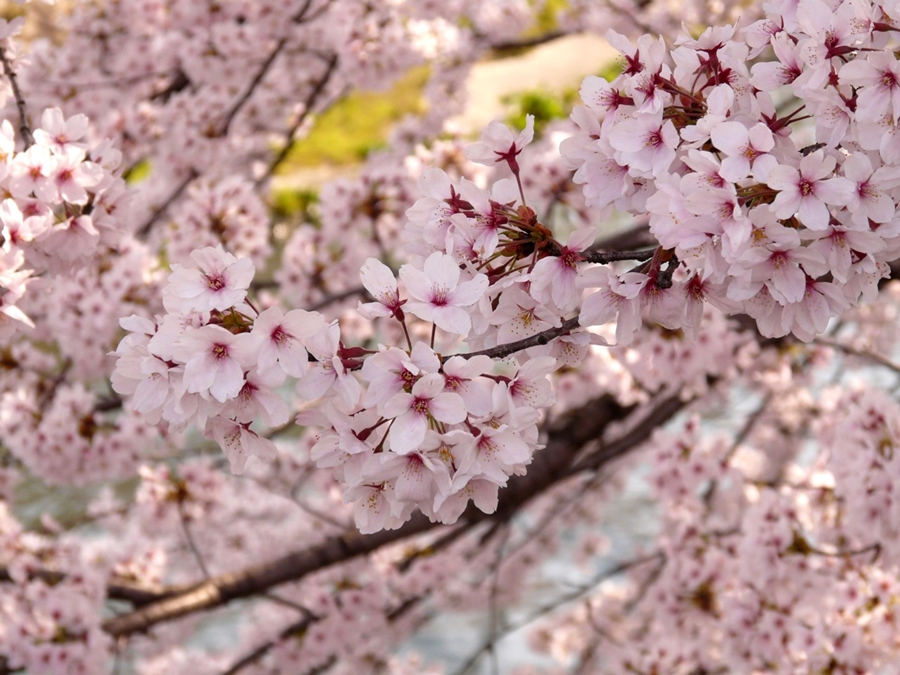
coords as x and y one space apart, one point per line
437 295
239 443
499 145
215 360
805 192
281 339
412 412
220 282
711 347
381 284
554 277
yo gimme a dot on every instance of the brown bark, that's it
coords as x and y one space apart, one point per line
567 439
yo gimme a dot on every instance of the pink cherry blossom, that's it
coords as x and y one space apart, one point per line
806 191
220 282
214 360
31 173
553 278
412 412
71 175
878 78
393 370
618 298
282 337
645 144
379 281
436 294
746 149
240 443
329 372
498 144
60 134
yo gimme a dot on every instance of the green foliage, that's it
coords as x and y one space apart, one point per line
295 204
137 172
546 106
612 70
358 124
548 16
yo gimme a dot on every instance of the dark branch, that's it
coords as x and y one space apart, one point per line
566 439
603 257
515 46
307 108
542 338
158 212
24 129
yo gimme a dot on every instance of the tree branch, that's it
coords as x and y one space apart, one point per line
552 464
24 129
542 338
260 74
603 257
307 107
148 224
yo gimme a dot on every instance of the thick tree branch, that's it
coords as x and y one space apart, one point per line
552 464
603 257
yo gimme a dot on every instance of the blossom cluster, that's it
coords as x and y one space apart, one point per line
788 221
423 432
746 220
502 329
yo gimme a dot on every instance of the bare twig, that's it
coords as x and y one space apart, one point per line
158 212
308 105
264 68
542 338
24 129
749 425
862 353
493 605
296 628
191 543
337 297
564 599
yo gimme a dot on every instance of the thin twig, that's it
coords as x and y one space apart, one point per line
307 109
493 609
542 338
263 70
749 425
853 351
148 224
191 543
337 297
298 627
545 609
24 129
